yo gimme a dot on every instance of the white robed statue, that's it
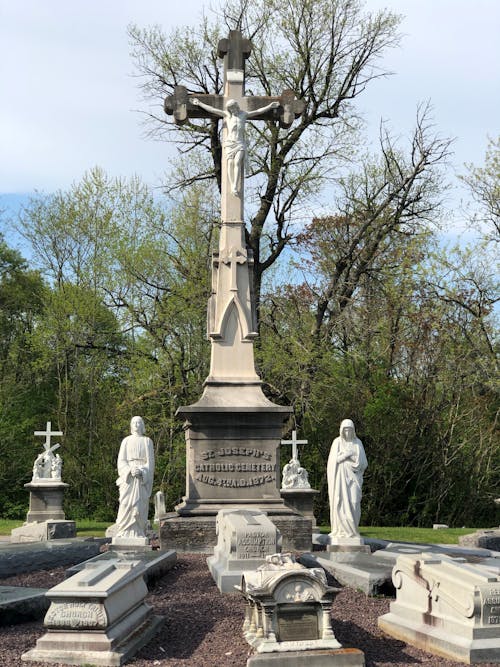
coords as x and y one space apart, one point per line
135 481
346 465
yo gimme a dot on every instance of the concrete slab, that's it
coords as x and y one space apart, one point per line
342 657
156 563
394 549
19 604
32 556
363 572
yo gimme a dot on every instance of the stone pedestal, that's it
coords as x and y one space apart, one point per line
232 455
45 519
46 500
302 501
231 458
343 545
97 617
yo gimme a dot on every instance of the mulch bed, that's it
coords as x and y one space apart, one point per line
203 627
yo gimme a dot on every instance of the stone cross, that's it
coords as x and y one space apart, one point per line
233 257
294 442
231 312
234 107
48 433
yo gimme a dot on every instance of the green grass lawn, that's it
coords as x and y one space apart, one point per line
408 534
89 528
84 527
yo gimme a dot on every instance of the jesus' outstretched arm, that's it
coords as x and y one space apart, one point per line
268 107
207 107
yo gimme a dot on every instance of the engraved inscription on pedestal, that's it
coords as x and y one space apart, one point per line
491 607
76 615
234 467
255 544
297 624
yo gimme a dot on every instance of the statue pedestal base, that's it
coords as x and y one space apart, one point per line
232 462
302 501
45 519
130 544
42 531
46 500
342 545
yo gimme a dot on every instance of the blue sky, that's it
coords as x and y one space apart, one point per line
70 100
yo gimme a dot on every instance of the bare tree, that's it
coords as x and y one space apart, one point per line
326 51
395 199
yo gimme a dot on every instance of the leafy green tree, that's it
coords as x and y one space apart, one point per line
484 185
26 391
124 330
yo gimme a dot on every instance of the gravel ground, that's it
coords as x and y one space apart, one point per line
203 627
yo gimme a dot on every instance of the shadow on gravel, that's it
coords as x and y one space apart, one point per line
198 619
376 649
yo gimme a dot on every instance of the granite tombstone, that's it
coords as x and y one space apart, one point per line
245 539
288 611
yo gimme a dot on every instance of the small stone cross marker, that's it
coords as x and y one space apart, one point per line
48 433
294 442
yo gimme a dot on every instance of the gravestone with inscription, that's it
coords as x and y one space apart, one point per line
446 606
233 432
98 616
288 610
245 538
45 519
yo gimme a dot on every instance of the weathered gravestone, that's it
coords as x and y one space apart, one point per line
288 611
98 617
446 606
45 519
233 432
245 538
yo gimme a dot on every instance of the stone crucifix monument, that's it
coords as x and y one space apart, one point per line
295 487
233 432
45 519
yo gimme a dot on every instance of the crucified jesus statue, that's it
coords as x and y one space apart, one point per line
234 141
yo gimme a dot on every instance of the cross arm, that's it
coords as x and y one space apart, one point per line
290 108
179 105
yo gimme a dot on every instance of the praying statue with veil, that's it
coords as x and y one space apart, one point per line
346 465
